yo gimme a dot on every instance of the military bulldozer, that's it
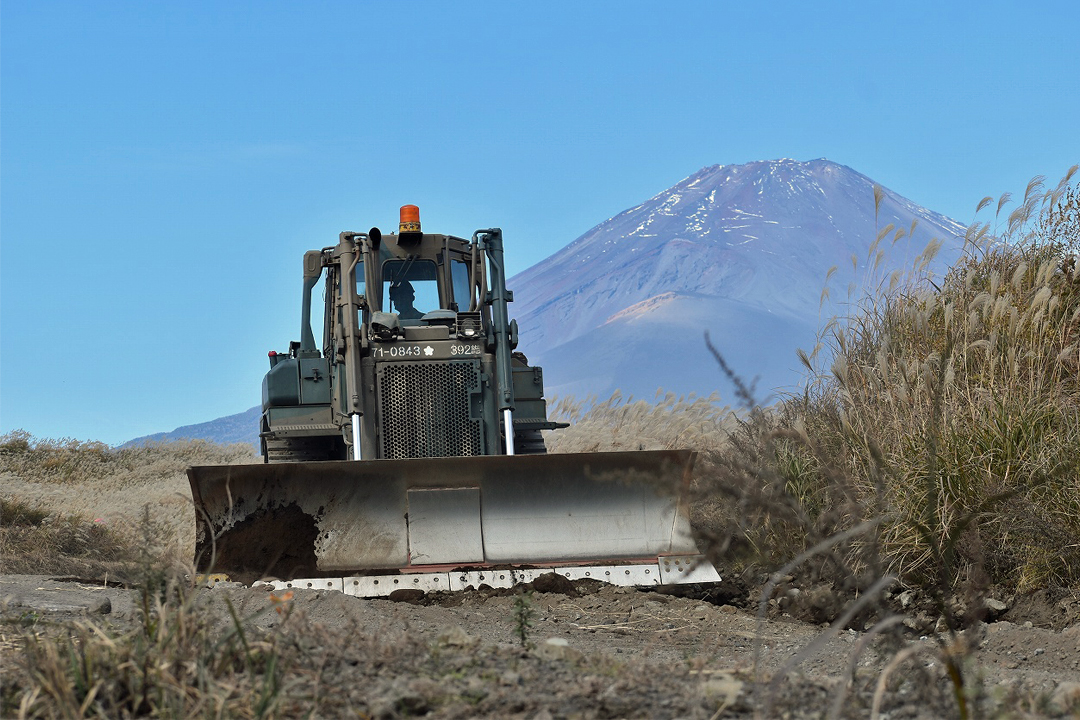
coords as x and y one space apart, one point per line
406 449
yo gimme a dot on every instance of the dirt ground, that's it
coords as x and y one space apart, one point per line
601 651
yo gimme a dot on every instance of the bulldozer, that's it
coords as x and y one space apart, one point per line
406 448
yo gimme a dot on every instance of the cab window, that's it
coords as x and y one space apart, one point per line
459 274
410 288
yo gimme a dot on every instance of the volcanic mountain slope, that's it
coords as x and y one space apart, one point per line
739 251
240 428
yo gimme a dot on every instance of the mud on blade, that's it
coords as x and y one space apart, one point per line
336 518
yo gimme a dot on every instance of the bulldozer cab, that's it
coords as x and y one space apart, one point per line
442 271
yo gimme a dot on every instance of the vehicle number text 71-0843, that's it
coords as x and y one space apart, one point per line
397 351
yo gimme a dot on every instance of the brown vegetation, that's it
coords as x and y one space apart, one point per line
45 527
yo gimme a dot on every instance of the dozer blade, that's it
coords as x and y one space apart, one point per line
329 519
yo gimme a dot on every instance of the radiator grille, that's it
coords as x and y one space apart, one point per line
424 409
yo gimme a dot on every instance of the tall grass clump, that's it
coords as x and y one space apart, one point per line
950 413
969 393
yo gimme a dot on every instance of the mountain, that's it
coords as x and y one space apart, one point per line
240 428
738 251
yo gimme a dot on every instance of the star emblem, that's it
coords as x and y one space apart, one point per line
429 351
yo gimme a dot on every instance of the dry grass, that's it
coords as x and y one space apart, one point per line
623 423
94 493
86 510
34 541
178 661
67 460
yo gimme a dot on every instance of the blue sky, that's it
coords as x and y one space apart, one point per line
163 166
